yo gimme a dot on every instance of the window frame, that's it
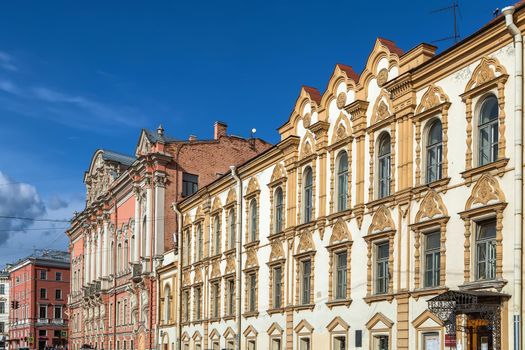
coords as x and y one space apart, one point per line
308 195
437 149
492 127
342 177
384 166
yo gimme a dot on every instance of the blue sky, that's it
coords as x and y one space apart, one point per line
75 77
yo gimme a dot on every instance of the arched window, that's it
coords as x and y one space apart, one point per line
119 257
384 166
199 242
488 131
231 218
111 252
342 181
132 249
126 255
253 220
217 227
143 236
278 210
434 152
188 247
308 195
167 304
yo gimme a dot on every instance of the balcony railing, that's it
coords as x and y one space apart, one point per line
43 320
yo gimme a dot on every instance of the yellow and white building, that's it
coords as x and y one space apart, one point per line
387 217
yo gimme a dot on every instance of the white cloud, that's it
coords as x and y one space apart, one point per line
6 62
9 87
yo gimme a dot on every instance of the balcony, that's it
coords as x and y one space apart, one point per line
136 272
57 321
43 320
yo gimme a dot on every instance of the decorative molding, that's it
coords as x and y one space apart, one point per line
381 221
431 206
485 190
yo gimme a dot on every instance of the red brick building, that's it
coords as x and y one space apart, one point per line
38 294
118 240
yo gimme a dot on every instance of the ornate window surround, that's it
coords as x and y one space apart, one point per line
381 229
307 157
216 212
252 266
305 250
340 241
275 332
382 120
215 276
484 80
420 327
386 330
278 179
197 283
252 192
250 334
277 259
197 339
231 204
304 330
486 201
337 328
229 274
341 141
434 104
187 227
431 216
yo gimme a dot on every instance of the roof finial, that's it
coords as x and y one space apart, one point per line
160 130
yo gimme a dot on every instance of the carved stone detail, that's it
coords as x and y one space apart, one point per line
487 189
306 242
341 100
381 221
431 206
382 77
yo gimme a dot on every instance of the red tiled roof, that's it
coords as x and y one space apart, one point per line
349 71
391 46
314 93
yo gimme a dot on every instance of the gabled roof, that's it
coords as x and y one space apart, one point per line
117 157
154 136
313 92
349 71
391 46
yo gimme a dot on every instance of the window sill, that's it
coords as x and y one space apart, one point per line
250 314
345 214
197 322
340 302
305 225
379 297
214 319
304 307
215 256
437 185
380 201
228 317
423 292
229 251
279 310
497 167
497 284
251 244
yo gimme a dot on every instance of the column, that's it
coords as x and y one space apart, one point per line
137 240
160 181
87 268
99 255
105 250
148 220
93 260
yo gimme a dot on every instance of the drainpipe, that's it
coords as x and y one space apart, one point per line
518 169
179 253
238 255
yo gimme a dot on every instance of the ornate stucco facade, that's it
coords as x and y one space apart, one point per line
390 197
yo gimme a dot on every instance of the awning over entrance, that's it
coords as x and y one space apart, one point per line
484 306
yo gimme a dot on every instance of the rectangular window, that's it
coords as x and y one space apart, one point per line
117 315
277 287
58 312
252 285
276 344
339 343
486 250
230 345
186 303
381 273
231 297
306 267
2 307
215 296
2 289
42 333
58 294
251 345
58 276
42 311
43 274
198 302
304 344
341 275
43 293
190 184
381 342
432 259
431 341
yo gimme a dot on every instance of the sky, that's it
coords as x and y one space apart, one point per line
79 76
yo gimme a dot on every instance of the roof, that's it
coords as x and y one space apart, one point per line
117 157
45 256
391 46
350 73
313 92
154 137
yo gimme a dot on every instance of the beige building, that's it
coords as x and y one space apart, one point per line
387 217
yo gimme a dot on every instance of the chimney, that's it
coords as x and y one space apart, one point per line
219 129
192 138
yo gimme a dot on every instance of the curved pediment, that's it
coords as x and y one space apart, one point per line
306 242
487 70
485 191
431 206
278 173
307 146
217 205
340 232
382 108
232 196
381 221
434 96
277 251
342 128
253 186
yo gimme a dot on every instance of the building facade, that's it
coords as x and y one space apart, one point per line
38 294
4 309
121 237
385 218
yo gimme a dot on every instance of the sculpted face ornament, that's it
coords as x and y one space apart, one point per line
382 77
341 100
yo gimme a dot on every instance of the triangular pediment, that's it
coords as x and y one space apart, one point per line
337 324
250 331
379 321
275 329
303 327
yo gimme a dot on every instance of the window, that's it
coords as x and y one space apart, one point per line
384 166
43 293
306 266
187 248
215 299
308 195
2 307
199 243
381 342
231 297
2 327
339 343
190 184
198 301
252 285
58 312
276 344
217 226
117 315
58 294
488 131
2 289
304 344
42 333
382 274
277 286
167 304
43 274
432 259
42 311
58 276
253 220
230 345
434 152
278 210
486 250
186 303
430 340
231 218
341 261
342 181
251 345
